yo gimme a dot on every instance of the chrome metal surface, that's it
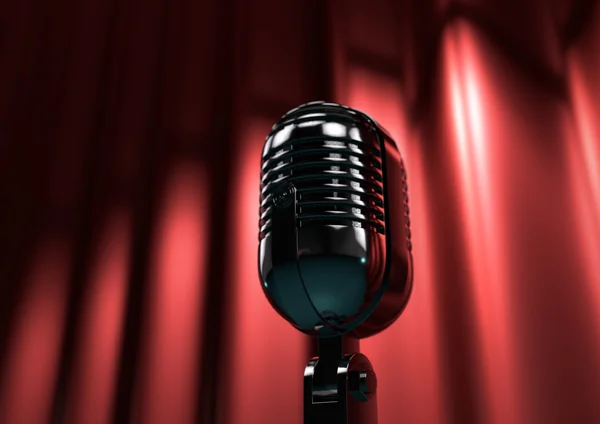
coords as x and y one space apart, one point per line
353 237
339 388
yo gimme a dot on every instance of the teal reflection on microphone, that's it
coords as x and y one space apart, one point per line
335 284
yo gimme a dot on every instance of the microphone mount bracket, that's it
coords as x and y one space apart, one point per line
339 388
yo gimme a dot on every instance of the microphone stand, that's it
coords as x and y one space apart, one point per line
339 387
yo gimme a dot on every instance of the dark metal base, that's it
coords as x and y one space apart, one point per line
339 388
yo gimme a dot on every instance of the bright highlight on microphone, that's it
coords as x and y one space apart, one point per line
334 229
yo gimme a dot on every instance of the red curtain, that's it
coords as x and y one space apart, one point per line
130 138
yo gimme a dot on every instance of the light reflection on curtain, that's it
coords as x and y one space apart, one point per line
130 137
475 155
91 387
167 384
31 363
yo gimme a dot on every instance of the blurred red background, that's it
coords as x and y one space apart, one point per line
130 139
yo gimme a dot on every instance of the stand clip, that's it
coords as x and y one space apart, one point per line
338 388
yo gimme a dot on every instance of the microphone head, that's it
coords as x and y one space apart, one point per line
334 252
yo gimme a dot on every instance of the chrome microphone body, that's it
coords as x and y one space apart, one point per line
334 254
346 265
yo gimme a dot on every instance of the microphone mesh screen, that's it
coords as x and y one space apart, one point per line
336 173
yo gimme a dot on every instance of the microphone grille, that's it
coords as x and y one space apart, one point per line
331 154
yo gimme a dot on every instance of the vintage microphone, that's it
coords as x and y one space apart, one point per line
334 253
